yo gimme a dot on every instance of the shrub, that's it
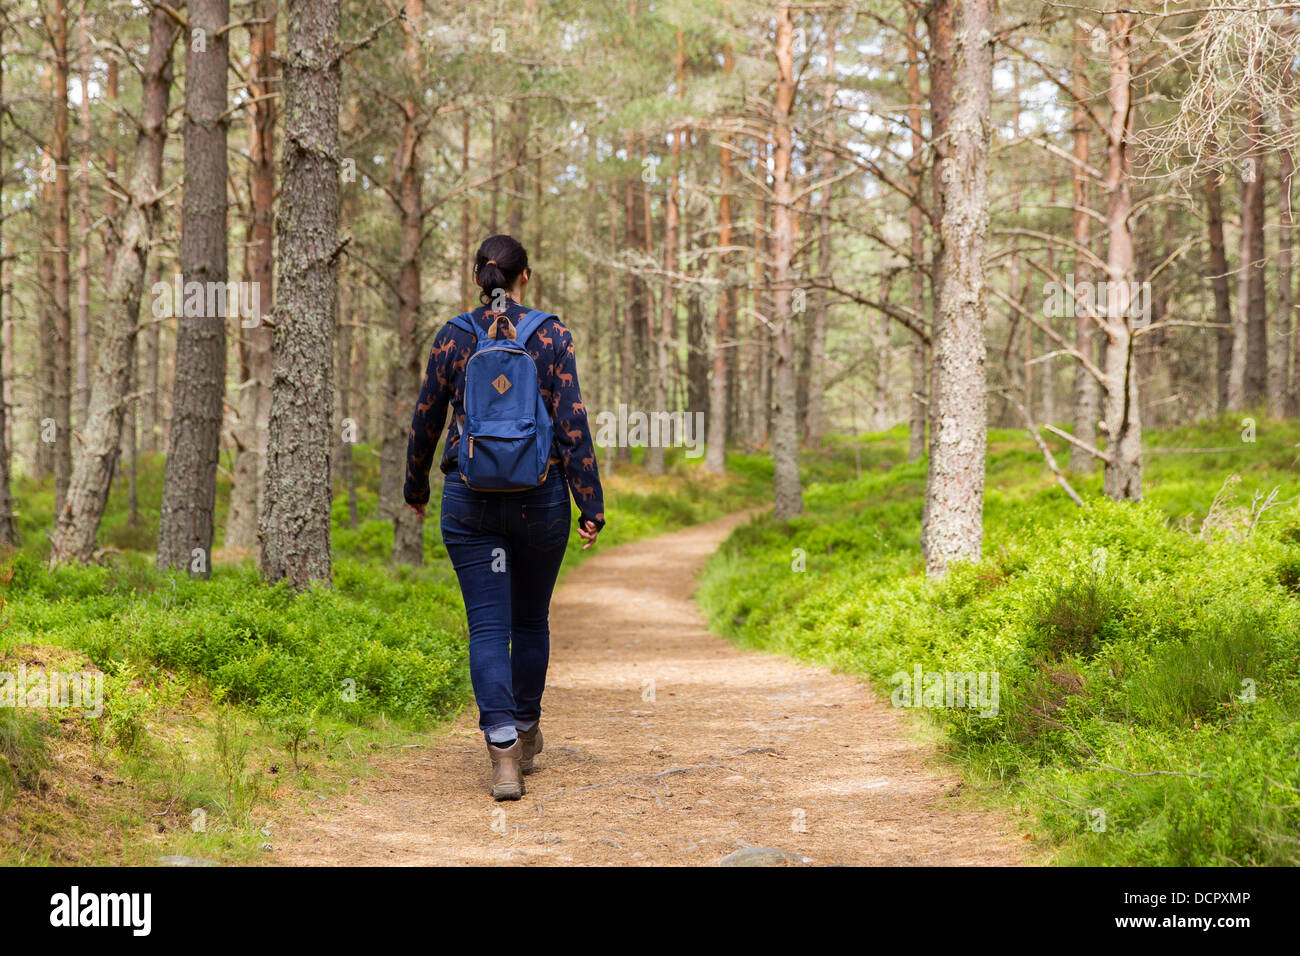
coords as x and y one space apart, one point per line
1078 617
24 752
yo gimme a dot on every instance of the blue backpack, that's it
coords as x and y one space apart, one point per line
505 440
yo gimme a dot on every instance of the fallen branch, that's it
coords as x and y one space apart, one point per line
1079 443
1042 446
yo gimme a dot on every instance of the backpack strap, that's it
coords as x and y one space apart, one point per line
465 322
529 324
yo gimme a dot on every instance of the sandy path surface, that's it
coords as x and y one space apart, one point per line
664 744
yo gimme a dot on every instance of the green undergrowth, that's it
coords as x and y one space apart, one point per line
219 695
1147 655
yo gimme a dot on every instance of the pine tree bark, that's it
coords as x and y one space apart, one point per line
151 431
83 345
1087 390
882 354
919 351
186 523
61 405
1219 285
1238 360
47 334
616 378
295 528
74 534
1123 475
249 433
939 57
663 340
953 528
466 257
8 525
758 345
814 421
407 367
110 158
1279 372
1254 270
786 490
723 322
1290 324
342 461
518 157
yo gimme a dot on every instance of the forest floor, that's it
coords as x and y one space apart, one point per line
665 744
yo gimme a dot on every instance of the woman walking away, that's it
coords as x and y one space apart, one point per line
518 443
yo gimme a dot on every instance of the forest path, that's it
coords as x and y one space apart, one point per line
736 749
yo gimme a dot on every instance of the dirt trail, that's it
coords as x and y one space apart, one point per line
735 749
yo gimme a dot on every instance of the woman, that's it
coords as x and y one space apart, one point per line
507 546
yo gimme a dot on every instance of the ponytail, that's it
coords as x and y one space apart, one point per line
497 266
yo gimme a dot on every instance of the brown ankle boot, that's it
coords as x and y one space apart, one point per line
507 778
532 741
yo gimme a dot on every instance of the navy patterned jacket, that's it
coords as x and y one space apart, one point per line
551 347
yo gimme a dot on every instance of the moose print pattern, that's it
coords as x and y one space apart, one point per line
551 347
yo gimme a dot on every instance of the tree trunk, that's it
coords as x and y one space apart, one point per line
110 163
249 434
1238 362
723 323
62 393
83 348
466 256
1087 390
1257 307
1123 476
1222 294
880 348
345 423
1279 375
46 339
615 376
296 513
953 529
815 413
788 497
757 404
1291 320
654 456
8 526
518 154
919 357
939 56
185 522
151 431
407 367
74 534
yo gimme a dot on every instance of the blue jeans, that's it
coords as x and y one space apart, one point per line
506 548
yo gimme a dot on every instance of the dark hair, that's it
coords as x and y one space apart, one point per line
499 262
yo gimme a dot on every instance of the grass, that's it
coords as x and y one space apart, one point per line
224 699
1148 654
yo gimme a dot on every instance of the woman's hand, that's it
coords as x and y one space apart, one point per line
587 531
418 509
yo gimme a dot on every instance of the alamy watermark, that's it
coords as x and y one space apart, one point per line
973 690
1095 300
637 429
199 300
42 689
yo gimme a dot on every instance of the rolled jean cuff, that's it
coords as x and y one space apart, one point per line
523 726
501 733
